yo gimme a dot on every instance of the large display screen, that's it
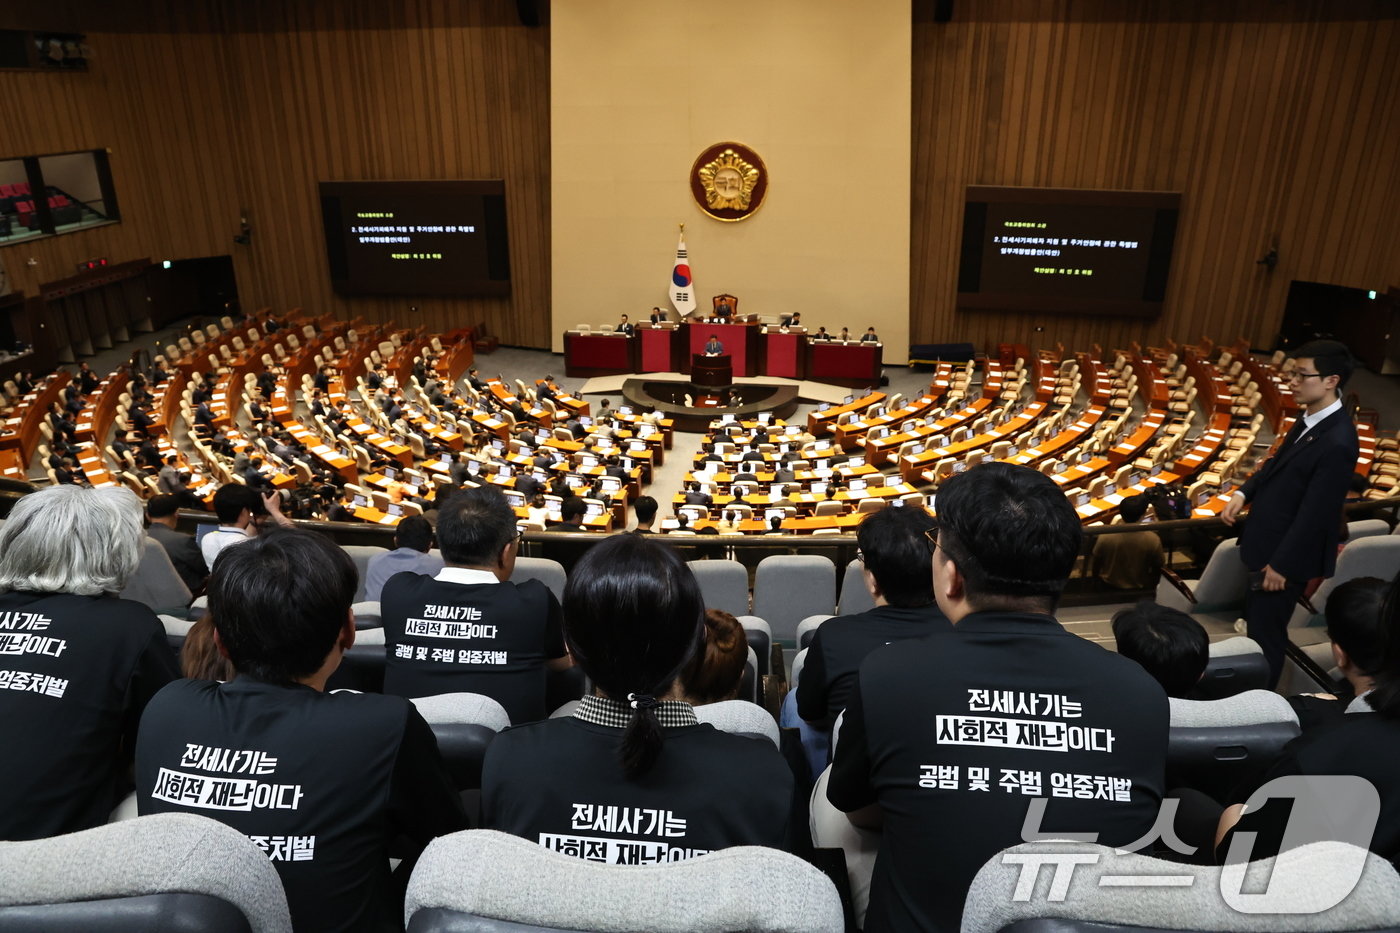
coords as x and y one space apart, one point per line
1066 250
416 237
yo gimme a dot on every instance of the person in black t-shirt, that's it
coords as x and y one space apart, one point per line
1355 628
1165 642
632 777
899 578
947 740
1364 743
320 782
77 667
469 629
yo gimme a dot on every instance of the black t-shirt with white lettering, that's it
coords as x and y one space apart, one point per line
487 638
954 735
841 644
559 783
75 674
321 782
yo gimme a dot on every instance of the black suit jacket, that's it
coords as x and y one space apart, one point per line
1295 502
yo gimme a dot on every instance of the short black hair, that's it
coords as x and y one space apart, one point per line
279 601
162 506
474 526
1330 357
573 507
414 531
633 616
1133 508
1010 531
1166 642
232 498
1354 621
646 508
895 550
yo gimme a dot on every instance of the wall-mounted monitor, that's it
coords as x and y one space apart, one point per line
1066 250
444 238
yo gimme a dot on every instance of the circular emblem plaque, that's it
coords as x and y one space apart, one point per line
728 181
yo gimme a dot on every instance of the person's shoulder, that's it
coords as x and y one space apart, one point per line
181 695
403 582
726 750
125 612
546 736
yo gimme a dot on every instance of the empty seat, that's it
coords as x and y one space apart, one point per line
170 871
1324 886
549 572
724 584
1372 556
472 880
361 555
1235 665
855 597
1215 745
788 588
1220 591
807 628
831 829
740 717
464 725
760 639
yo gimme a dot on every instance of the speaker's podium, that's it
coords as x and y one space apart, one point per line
714 372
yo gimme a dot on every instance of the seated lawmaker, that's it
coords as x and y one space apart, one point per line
1363 744
1131 560
714 347
624 326
723 311
1166 642
80 664
658 316
321 782
1011 707
632 775
870 336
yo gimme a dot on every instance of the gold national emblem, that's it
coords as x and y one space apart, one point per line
729 181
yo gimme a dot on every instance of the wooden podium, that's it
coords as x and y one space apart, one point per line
712 371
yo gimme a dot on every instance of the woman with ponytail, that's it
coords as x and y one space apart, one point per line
632 777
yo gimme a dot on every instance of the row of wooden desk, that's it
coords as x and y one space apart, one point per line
754 349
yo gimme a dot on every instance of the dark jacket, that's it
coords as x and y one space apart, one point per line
1295 502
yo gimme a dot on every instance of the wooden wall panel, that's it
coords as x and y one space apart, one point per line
1271 119
155 100
212 106
410 90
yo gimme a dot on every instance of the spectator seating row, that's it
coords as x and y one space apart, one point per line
195 873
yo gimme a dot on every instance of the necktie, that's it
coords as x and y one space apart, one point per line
1294 433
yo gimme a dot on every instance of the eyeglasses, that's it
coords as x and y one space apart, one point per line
932 535
1296 376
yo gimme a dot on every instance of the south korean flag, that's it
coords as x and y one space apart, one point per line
682 288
